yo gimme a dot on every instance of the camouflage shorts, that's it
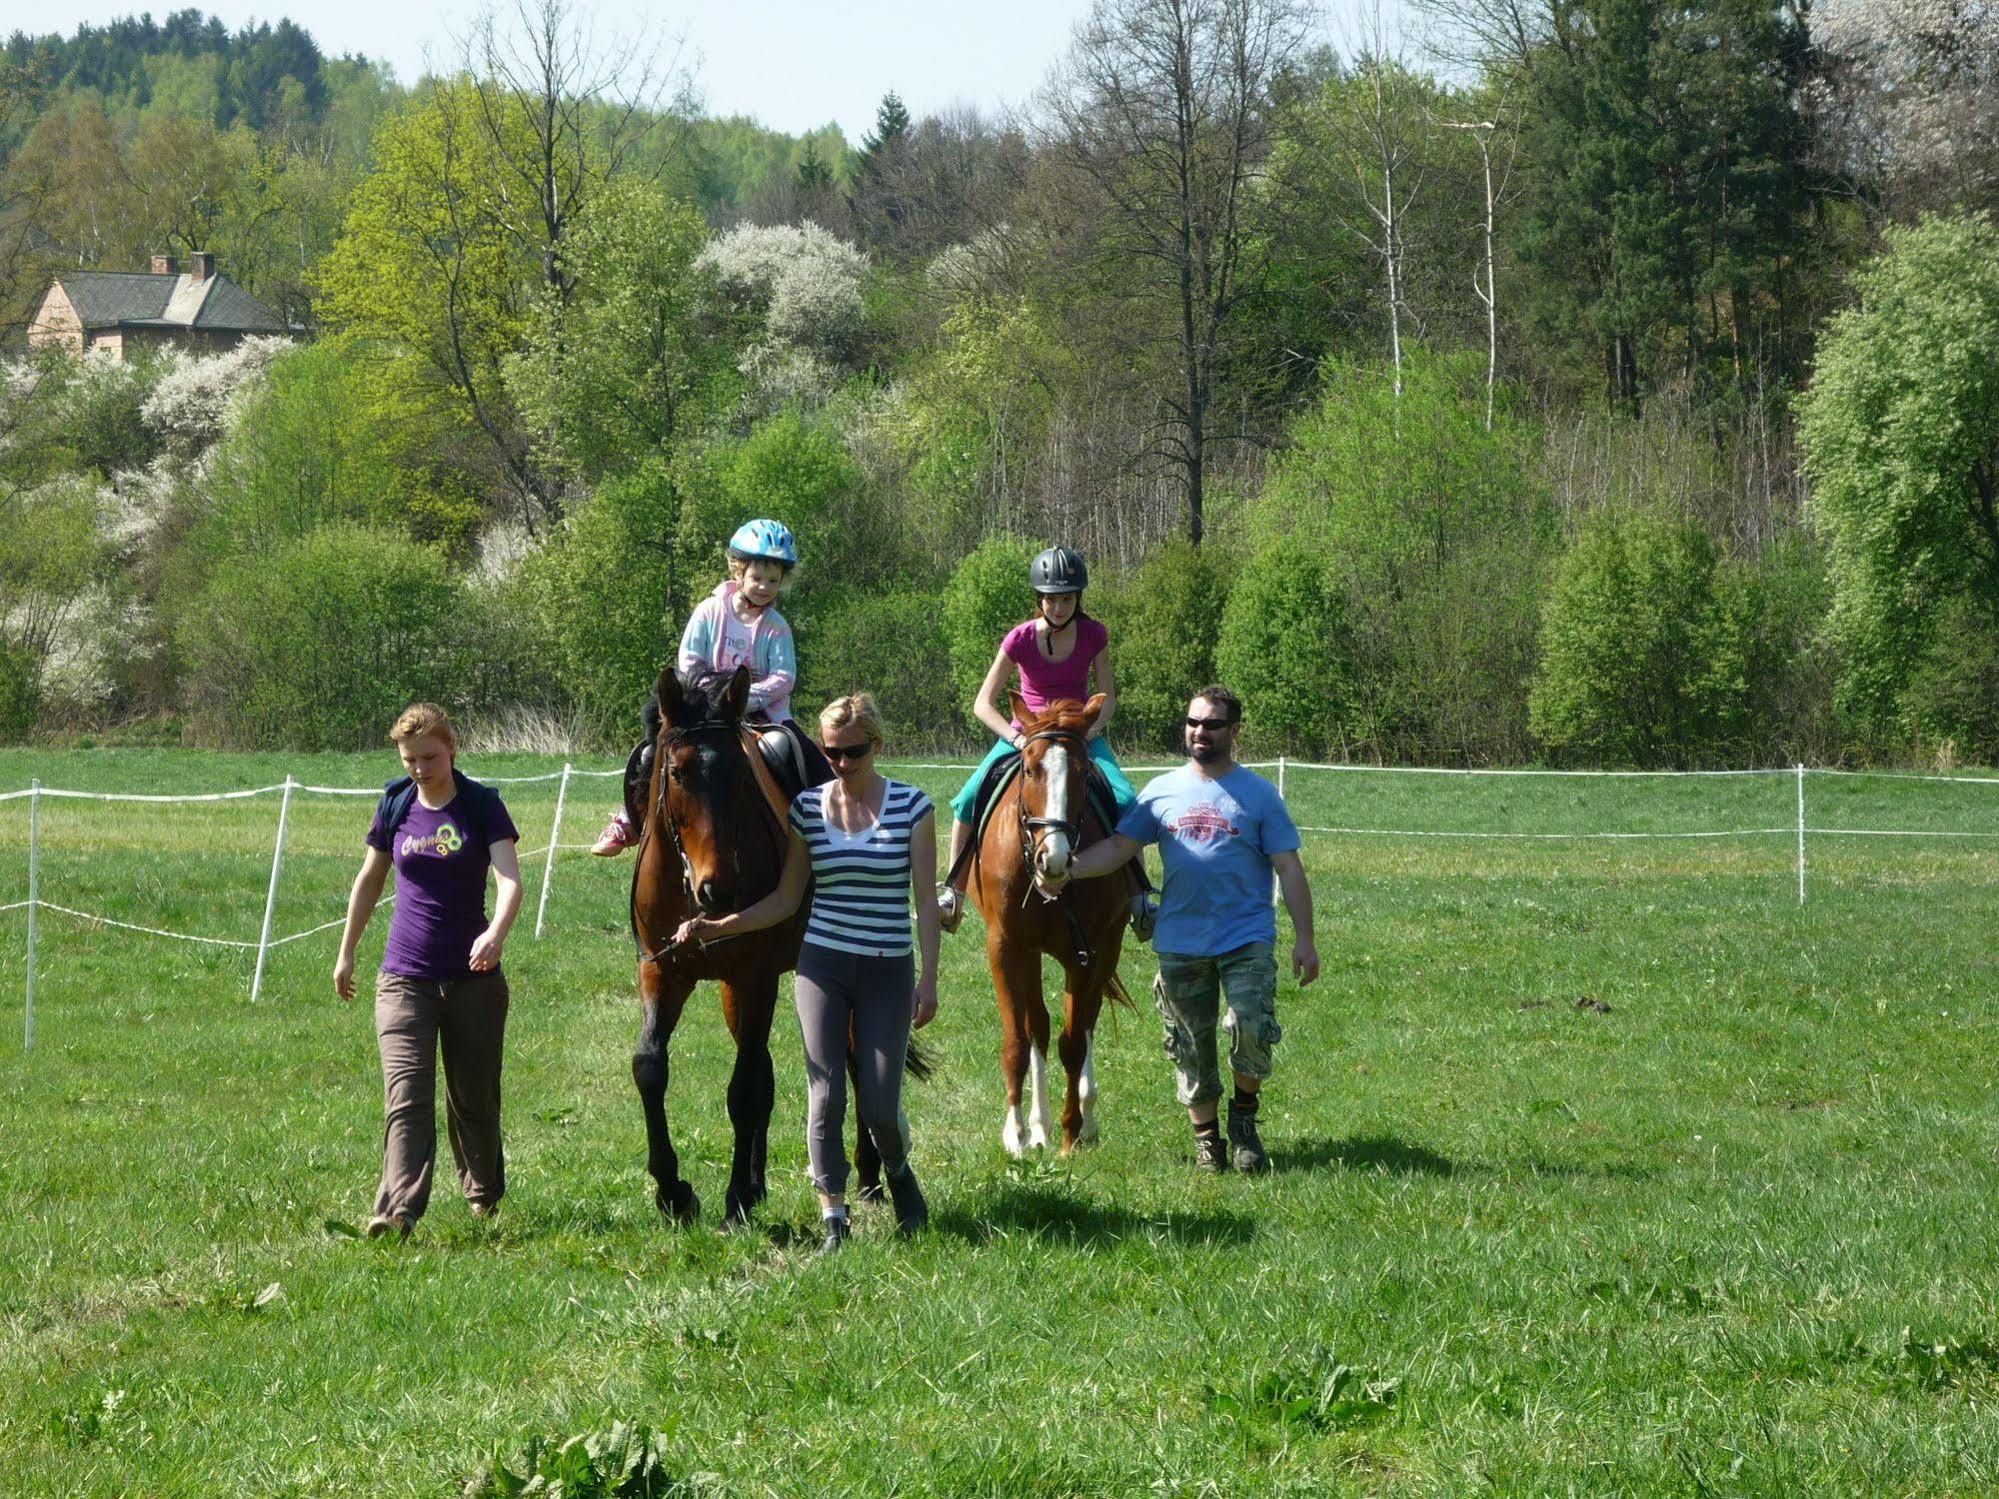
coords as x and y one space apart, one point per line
1189 992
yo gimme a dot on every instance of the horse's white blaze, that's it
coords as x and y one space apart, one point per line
1054 842
1086 1090
1037 1118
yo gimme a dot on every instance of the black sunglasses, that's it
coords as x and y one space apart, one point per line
848 751
1212 725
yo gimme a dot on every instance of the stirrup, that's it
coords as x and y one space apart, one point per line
950 907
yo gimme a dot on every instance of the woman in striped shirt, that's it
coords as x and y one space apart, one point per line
865 843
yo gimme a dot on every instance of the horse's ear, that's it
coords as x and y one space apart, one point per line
1092 710
737 696
667 690
1022 714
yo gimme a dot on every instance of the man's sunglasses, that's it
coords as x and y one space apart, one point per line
1212 725
848 751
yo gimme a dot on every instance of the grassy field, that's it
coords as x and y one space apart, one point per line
1602 1167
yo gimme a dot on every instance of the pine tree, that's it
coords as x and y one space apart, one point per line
1670 179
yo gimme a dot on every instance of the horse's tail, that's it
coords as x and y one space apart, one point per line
916 1062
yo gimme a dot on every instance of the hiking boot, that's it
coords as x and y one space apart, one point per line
950 907
484 1209
1144 915
382 1225
912 1213
838 1230
618 835
1246 1145
1210 1152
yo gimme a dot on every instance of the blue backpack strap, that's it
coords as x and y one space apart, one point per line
477 803
397 799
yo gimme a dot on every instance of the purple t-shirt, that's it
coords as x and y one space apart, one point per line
1043 681
440 888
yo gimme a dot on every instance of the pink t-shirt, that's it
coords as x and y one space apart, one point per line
1043 681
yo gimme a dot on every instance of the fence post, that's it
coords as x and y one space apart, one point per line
1277 890
271 895
1801 834
554 837
34 904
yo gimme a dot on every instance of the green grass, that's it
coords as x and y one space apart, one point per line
1734 1233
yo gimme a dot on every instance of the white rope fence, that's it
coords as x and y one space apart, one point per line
265 943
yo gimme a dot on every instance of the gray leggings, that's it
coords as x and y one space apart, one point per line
873 996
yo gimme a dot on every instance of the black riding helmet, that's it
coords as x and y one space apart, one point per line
1059 570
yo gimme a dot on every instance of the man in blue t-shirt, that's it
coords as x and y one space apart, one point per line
1222 832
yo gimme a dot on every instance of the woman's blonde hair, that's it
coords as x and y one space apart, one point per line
420 721
857 710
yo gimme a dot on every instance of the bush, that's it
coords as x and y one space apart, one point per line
17 694
988 595
895 646
320 643
604 603
313 443
1439 539
1164 622
1648 646
1286 647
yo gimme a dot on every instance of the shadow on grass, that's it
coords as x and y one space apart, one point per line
1371 1153
1066 1217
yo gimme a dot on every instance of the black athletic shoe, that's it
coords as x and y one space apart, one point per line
837 1231
912 1213
1246 1145
1210 1152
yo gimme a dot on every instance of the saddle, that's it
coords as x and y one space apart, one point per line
1096 789
781 756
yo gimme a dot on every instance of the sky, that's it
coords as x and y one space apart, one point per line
794 65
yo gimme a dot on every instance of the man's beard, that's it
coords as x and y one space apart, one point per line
1207 753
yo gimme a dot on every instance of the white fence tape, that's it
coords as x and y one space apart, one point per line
36 792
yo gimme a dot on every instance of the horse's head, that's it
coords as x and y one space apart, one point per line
1054 772
707 790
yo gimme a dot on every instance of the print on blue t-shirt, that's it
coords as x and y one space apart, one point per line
1215 840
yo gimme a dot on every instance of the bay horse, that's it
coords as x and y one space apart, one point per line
1040 820
712 839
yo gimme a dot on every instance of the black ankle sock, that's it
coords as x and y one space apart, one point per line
1243 1103
1208 1127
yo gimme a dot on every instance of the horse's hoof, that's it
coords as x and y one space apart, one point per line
679 1204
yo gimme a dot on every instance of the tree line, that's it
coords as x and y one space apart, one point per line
1602 382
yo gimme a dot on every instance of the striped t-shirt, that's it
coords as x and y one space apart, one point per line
860 881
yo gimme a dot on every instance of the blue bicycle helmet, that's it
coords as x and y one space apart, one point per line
764 541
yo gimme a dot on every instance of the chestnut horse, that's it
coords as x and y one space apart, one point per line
1041 819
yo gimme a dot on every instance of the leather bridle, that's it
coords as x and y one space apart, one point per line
668 740
1034 829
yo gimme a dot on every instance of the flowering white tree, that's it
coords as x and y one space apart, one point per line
801 285
198 395
1908 97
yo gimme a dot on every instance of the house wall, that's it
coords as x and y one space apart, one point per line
55 323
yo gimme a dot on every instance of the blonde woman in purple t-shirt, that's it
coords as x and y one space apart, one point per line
1057 652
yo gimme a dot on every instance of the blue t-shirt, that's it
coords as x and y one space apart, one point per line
1215 839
